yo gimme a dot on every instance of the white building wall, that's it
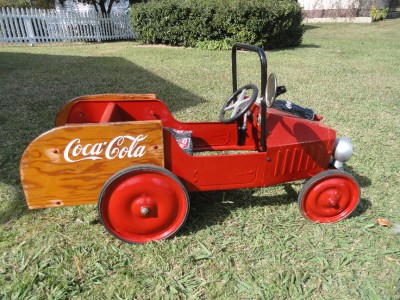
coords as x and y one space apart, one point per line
339 4
327 4
75 6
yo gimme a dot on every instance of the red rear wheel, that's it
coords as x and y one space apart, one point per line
143 203
329 196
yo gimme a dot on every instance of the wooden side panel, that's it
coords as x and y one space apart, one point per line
69 165
63 114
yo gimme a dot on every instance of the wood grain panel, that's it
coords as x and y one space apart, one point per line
69 165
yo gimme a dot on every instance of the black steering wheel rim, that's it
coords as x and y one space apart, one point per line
233 99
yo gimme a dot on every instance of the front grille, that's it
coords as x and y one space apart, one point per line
299 159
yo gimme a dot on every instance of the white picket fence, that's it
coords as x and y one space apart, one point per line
31 26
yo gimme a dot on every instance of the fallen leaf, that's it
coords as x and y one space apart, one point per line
384 222
393 259
78 267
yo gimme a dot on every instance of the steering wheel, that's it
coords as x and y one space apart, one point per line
239 103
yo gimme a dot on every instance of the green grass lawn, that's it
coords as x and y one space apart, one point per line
246 244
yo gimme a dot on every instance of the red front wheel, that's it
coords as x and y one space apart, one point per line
143 203
329 196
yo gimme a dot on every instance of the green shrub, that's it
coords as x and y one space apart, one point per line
27 3
215 45
377 14
218 23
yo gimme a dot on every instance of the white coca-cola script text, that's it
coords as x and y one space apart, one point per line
120 147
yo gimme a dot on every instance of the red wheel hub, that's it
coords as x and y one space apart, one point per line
329 197
141 205
144 206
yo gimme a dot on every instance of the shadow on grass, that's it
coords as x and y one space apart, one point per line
302 46
363 206
362 180
310 27
211 208
33 87
313 46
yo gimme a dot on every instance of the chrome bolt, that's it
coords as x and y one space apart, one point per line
144 210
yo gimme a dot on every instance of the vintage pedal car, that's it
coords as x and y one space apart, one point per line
127 154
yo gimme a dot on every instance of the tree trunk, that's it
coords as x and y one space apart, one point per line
110 4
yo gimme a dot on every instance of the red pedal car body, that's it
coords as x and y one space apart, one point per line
127 154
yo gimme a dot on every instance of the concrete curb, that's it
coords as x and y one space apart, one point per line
338 20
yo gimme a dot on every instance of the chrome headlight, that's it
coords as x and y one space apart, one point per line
343 150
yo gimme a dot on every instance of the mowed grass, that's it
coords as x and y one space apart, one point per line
245 244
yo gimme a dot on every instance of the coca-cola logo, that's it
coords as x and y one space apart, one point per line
120 147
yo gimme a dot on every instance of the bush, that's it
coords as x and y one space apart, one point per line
269 24
27 3
377 14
